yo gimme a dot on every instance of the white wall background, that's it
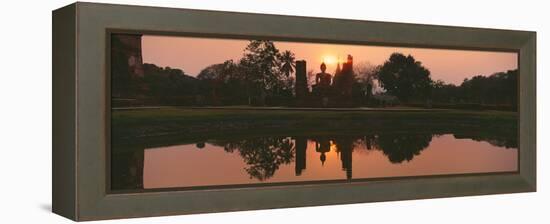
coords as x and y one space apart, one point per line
25 120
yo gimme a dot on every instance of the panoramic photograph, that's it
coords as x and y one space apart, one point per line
190 112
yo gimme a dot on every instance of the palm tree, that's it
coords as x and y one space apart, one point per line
287 62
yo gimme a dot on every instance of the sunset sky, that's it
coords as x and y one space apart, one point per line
193 54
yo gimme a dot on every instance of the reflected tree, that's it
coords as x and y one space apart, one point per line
401 147
509 142
263 156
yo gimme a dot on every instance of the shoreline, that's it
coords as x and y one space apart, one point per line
321 109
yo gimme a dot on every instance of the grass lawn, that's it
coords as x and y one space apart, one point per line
160 123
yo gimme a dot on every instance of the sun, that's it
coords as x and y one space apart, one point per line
329 59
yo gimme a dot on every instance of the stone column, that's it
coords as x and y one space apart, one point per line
301 80
128 45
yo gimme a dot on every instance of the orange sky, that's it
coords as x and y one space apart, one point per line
193 54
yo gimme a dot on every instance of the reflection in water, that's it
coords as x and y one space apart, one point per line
263 156
310 158
399 148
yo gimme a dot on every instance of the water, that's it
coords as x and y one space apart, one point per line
286 159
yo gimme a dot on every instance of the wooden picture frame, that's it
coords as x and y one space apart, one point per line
81 110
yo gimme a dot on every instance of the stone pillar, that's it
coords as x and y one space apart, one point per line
128 46
301 80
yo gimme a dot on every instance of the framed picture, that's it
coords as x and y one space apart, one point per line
160 111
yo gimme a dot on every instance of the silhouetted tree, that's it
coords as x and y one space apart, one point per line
288 62
261 66
445 93
224 77
498 88
405 78
366 75
167 84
